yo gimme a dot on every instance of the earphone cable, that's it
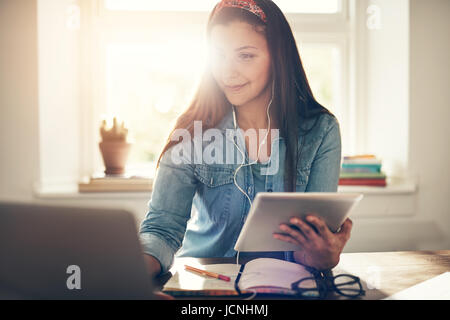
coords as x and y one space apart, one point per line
243 164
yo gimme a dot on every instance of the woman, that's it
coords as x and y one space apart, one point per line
254 80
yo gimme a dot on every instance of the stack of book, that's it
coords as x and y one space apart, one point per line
362 170
115 183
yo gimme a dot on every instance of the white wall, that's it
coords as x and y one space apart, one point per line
430 108
59 92
419 220
19 139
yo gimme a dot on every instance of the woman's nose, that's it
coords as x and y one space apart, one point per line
229 70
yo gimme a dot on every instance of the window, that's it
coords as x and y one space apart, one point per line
146 66
149 84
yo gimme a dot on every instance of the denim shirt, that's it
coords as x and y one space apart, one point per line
196 210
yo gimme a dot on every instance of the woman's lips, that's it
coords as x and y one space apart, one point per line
235 88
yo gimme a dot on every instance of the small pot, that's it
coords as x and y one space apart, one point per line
115 155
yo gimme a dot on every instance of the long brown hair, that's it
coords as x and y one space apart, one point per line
293 98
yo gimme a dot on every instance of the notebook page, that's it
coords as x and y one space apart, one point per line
271 272
190 281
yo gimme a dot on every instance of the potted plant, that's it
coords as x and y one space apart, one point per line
114 147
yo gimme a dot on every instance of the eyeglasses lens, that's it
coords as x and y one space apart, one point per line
308 288
348 286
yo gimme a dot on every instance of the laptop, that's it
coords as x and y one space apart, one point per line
55 252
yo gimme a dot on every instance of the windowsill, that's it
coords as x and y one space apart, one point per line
70 191
394 186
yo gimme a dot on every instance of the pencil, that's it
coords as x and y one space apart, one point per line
207 273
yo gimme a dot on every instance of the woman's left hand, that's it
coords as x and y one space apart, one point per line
320 248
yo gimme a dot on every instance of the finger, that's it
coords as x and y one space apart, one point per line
307 231
320 225
296 234
346 226
346 229
286 238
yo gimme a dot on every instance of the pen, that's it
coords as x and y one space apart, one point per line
207 273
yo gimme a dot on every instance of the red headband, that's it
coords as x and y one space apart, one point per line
248 5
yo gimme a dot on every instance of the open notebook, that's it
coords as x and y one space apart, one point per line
262 275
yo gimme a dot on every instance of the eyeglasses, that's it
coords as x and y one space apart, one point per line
323 282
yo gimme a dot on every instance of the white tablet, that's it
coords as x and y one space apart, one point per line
270 209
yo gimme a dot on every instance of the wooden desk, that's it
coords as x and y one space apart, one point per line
382 273
397 270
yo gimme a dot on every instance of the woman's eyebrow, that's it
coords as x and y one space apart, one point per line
238 49
246 47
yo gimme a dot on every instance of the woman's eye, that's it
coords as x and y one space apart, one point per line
246 56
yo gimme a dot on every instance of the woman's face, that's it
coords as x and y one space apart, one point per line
240 61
